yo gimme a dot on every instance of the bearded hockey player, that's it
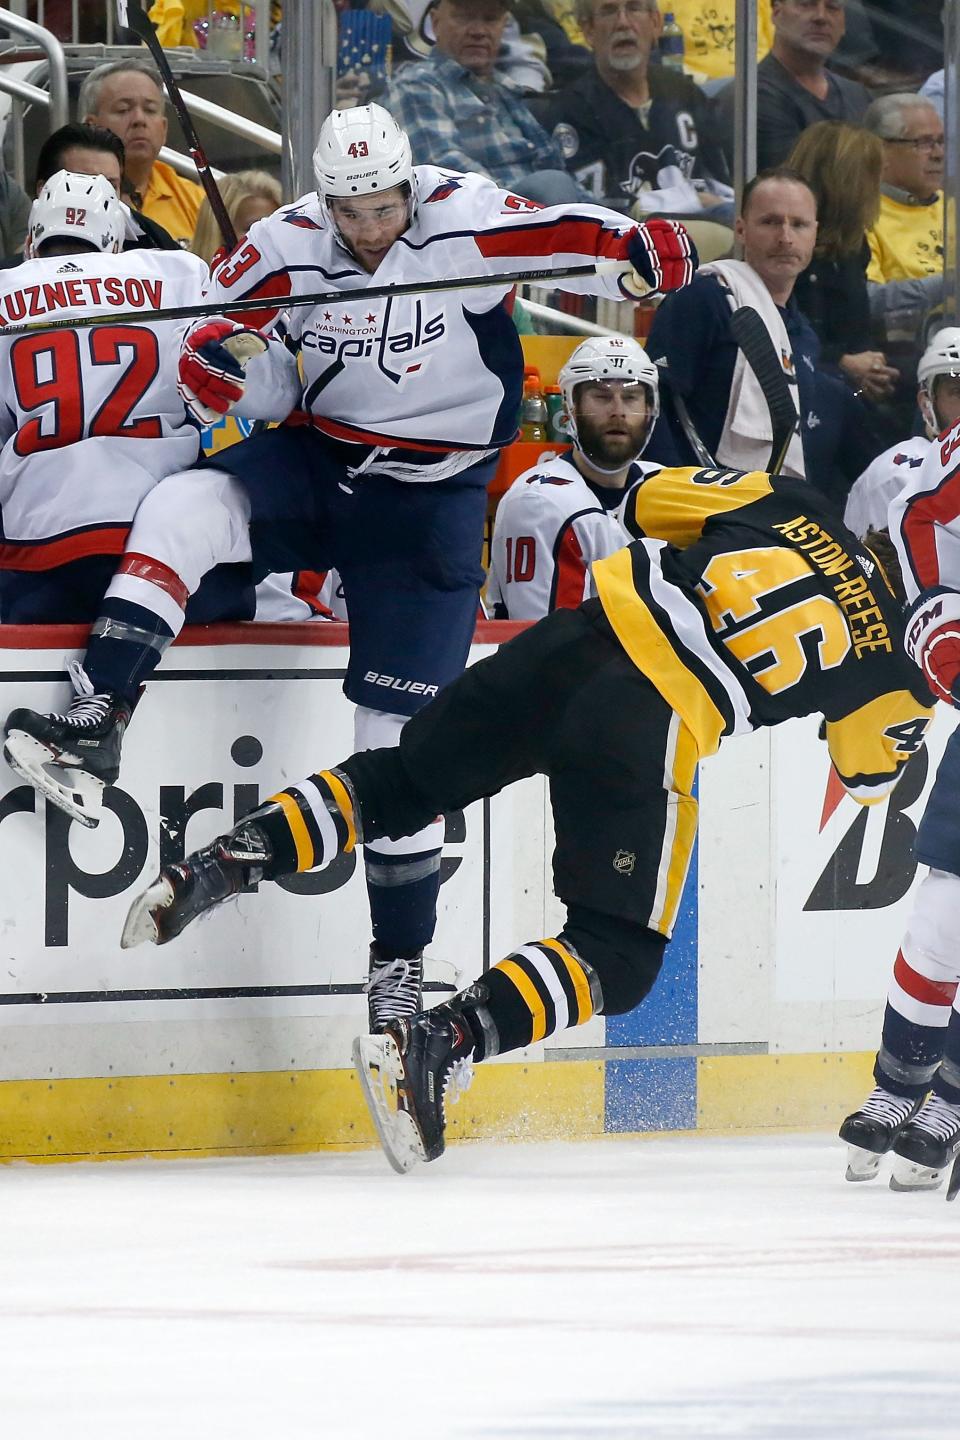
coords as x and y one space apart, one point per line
381 473
557 518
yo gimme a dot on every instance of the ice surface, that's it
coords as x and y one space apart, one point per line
671 1289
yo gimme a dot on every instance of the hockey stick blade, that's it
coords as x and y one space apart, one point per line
324 297
755 341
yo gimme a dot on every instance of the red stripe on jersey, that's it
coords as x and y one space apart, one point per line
571 236
918 987
141 567
337 430
919 529
307 585
49 554
274 285
571 573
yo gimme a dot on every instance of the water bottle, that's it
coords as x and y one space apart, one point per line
555 413
533 412
671 43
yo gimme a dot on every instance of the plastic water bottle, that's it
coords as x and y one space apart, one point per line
671 43
555 412
533 412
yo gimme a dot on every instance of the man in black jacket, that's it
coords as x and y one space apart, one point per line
637 136
94 150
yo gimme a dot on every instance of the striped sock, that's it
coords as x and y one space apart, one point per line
308 824
542 987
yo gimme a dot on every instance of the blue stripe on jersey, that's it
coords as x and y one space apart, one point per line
500 351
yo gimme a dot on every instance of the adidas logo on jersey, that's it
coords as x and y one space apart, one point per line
69 269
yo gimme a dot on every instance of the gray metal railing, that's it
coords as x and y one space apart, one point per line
52 48
259 9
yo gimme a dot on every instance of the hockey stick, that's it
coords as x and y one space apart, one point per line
324 297
686 419
755 341
131 17
953 1184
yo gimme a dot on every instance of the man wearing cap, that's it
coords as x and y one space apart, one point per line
458 116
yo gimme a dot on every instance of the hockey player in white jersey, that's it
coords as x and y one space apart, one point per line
914 1109
938 375
90 419
558 518
382 473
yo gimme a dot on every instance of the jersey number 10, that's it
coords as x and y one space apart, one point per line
58 357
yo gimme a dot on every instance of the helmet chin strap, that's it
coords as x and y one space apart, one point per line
928 410
602 469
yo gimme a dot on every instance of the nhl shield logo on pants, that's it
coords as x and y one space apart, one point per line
624 861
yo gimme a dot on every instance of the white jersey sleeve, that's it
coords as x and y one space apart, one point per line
549 529
925 519
868 502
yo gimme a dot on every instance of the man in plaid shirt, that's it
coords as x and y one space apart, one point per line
458 116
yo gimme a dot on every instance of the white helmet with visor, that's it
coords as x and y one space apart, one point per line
614 359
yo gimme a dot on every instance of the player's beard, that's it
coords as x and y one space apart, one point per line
611 452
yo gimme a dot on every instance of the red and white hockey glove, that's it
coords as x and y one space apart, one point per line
663 258
210 376
933 641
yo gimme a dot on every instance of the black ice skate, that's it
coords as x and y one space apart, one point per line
70 758
407 1075
925 1148
871 1131
192 886
394 988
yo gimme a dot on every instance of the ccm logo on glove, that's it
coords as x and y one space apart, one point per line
933 641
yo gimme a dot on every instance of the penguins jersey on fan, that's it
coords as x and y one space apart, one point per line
90 418
441 371
925 519
746 602
551 525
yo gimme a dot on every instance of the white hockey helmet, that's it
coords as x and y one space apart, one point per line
76 207
941 357
361 151
610 357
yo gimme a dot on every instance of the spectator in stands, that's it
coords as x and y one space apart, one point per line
126 96
636 135
709 29
910 37
906 243
248 195
777 228
932 90
459 116
93 150
794 87
14 215
842 164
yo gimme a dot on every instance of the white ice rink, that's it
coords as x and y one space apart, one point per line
664 1289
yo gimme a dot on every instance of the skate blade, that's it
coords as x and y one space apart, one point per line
76 792
862 1164
141 926
908 1175
953 1188
380 1069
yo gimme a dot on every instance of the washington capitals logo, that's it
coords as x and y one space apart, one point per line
443 191
302 222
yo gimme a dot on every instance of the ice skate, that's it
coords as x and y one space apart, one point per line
70 758
394 988
925 1147
407 1075
871 1131
190 887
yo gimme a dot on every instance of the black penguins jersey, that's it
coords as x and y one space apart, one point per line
746 601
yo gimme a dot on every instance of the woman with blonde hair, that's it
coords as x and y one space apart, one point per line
841 163
248 195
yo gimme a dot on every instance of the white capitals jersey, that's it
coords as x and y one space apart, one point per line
925 519
550 527
90 419
871 493
430 373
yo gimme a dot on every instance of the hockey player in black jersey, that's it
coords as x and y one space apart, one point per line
742 602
